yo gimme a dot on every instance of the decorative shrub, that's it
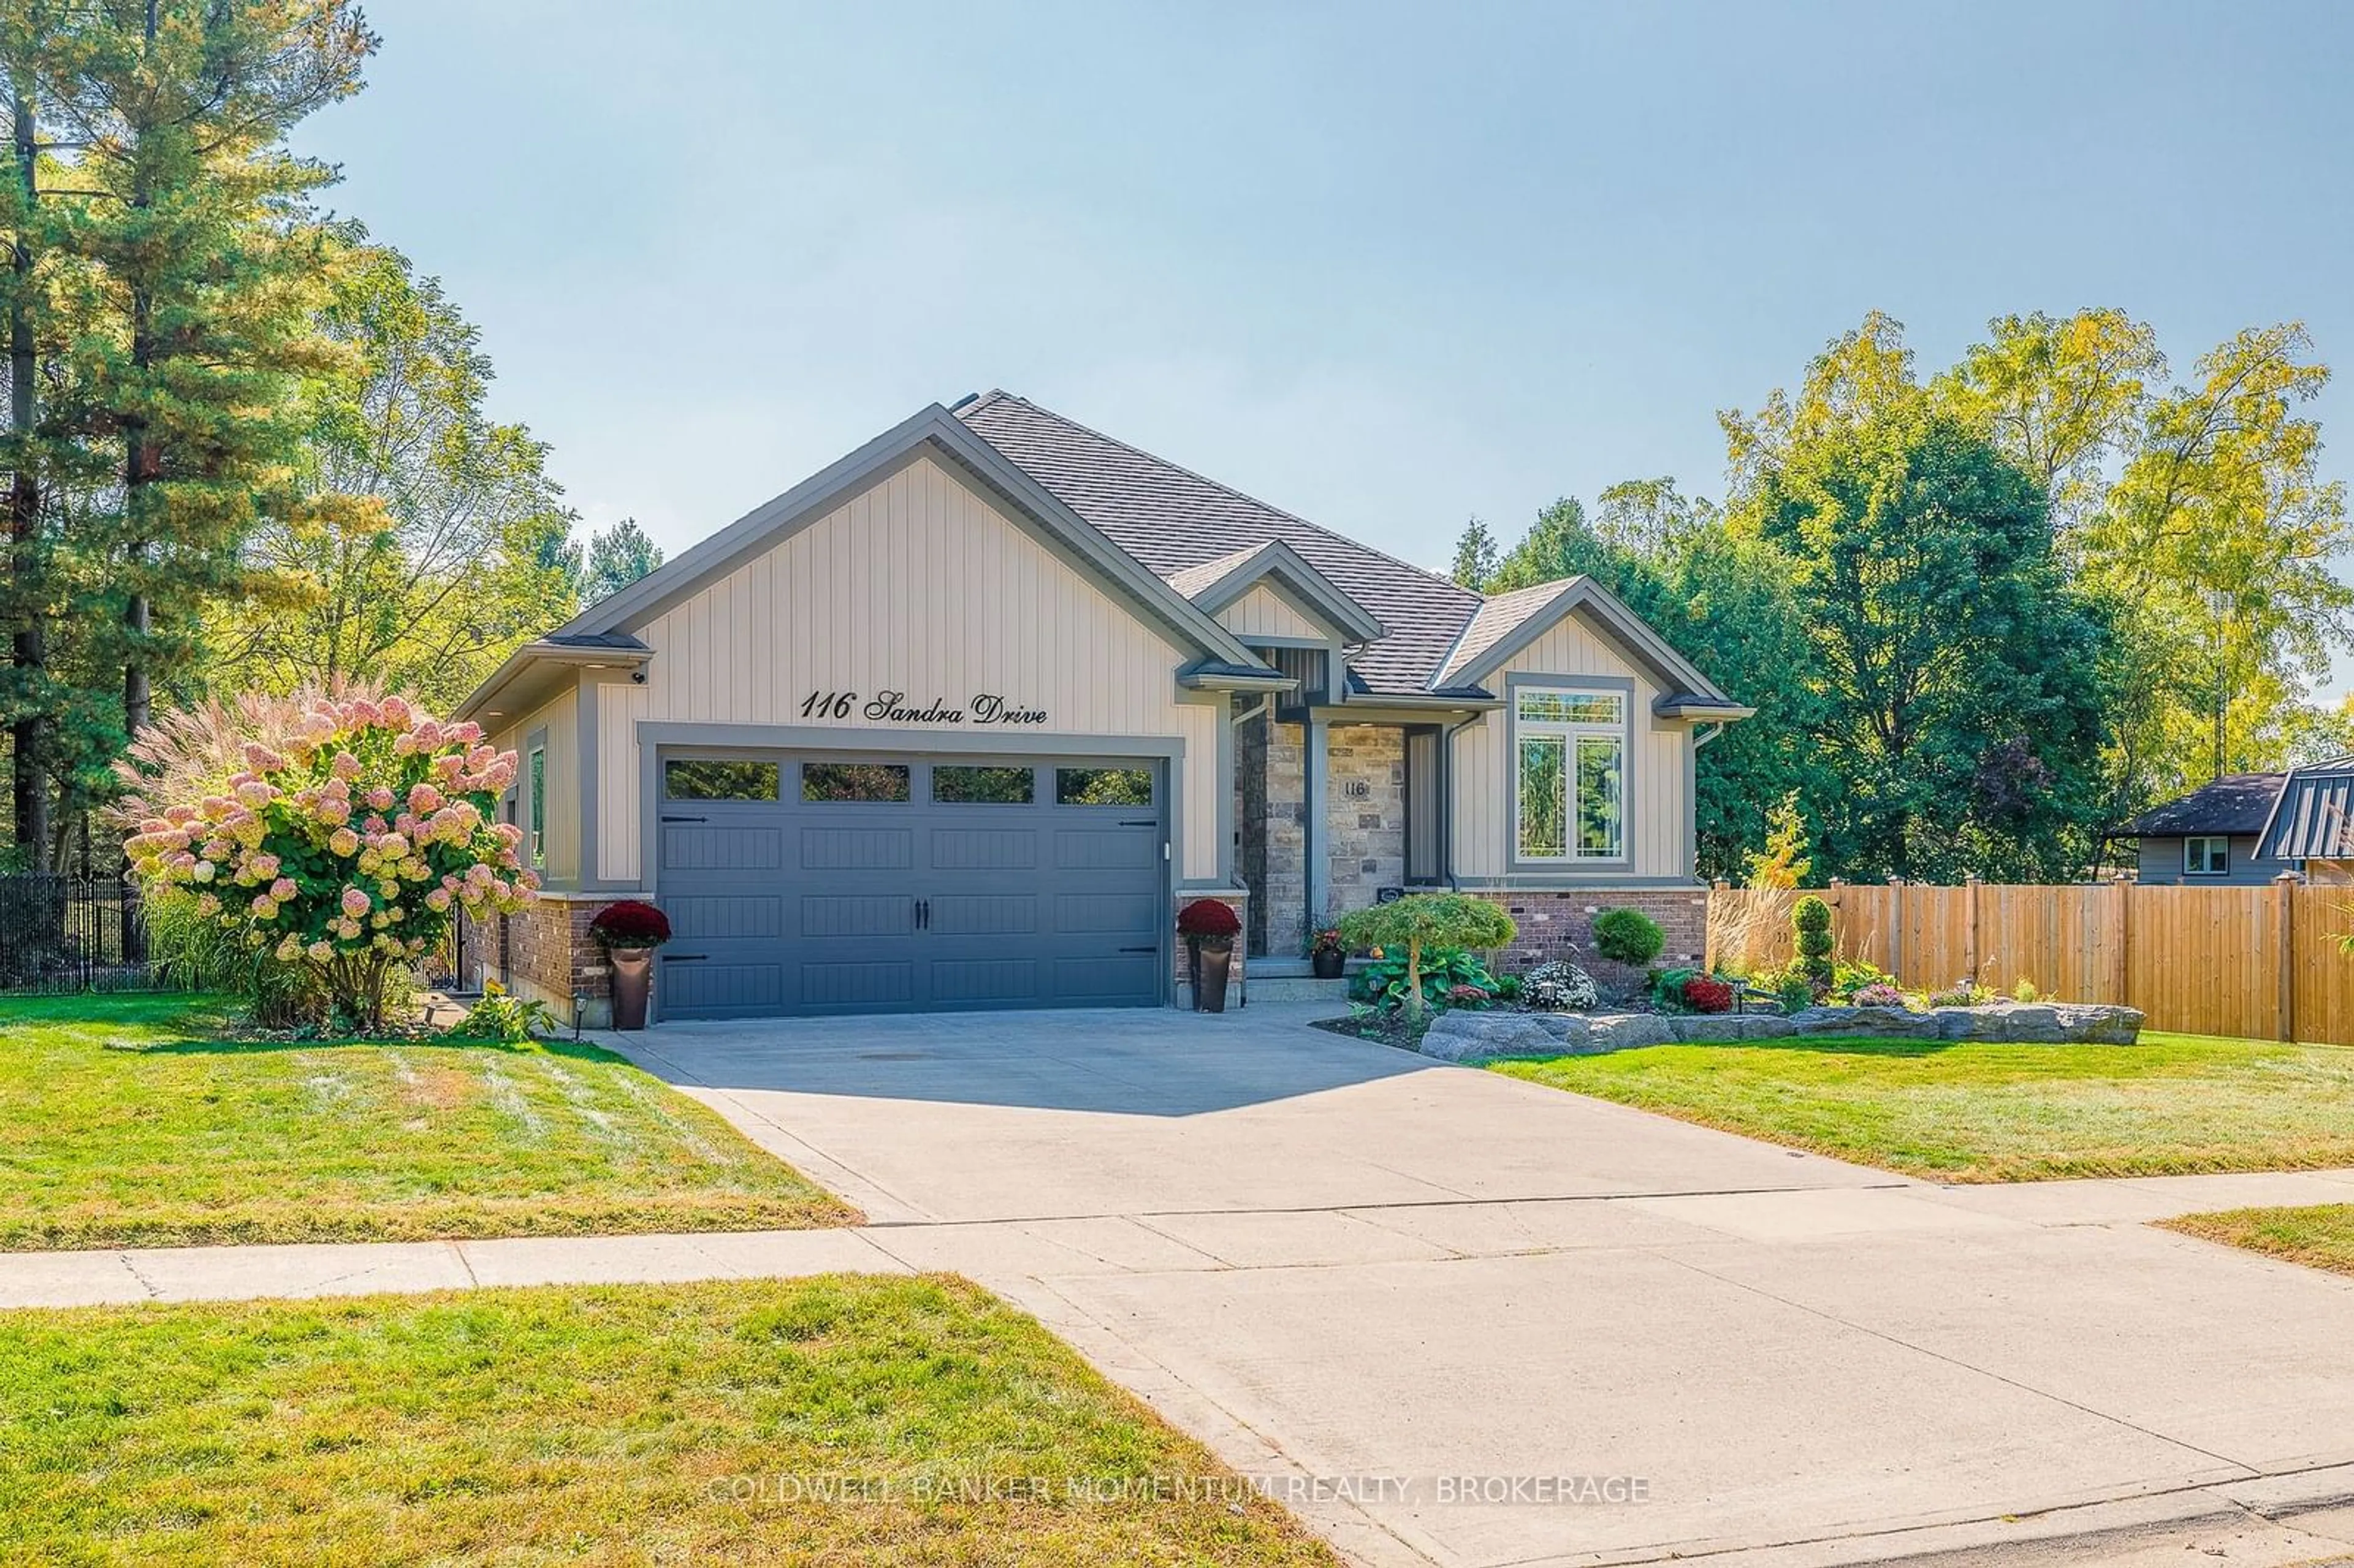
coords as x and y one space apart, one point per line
1559 987
337 834
504 1017
1966 992
631 922
1209 923
1810 918
1852 975
1427 920
2025 990
1326 941
1384 981
1796 990
1667 987
1706 993
1467 995
1628 936
1880 996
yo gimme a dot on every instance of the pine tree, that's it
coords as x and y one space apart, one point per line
192 219
1475 556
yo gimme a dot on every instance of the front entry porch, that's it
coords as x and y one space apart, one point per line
1328 816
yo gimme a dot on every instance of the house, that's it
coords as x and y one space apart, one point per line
2248 828
961 720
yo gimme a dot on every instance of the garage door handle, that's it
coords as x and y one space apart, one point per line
685 958
1152 823
1153 950
687 819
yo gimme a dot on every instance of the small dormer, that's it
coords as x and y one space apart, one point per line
1287 612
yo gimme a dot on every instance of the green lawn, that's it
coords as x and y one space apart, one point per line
2320 1236
125 1121
2172 1104
636 1424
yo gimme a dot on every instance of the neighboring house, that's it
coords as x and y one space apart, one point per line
2248 828
960 720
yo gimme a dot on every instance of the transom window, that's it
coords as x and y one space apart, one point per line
1570 778
959 785
718 778
1103 787
884 782
2207 857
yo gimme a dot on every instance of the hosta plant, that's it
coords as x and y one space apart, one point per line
338 834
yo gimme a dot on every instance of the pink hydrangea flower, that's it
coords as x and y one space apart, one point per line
263 906
283 889
342 842
264 867
334 812
207 905
346 766
354 903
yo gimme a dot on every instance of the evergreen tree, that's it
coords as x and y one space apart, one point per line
189 214
617 556
1475 556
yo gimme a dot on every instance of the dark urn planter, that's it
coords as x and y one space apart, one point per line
1328 963
1212 965
633 977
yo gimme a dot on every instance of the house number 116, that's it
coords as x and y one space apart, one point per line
829 705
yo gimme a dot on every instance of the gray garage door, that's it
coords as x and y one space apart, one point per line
901 885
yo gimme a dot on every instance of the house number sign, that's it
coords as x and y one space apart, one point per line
896 708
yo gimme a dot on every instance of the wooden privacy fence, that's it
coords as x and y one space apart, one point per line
2262 962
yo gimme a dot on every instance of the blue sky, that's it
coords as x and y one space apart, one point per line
1386 266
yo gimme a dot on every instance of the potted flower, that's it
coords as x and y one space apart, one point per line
630 930
1209 927
1326 956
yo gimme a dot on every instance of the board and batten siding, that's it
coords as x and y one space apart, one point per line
1658 799
1263 612
560 838
919 585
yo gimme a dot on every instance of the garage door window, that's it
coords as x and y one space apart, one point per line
705 779
961 786
882 781
1103 787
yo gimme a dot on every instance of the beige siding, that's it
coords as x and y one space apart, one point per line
918 586
561 837
1659 801
1263 612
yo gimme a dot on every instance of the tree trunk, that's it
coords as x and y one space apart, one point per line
27 652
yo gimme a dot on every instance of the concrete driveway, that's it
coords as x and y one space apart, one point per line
1464 1319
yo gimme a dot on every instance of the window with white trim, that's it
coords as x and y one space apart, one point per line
1569 790
2207 857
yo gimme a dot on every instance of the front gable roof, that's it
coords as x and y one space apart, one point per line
931 432
1509 622
1216 584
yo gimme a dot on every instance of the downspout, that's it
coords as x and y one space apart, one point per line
1704 738
1266 705
1447 799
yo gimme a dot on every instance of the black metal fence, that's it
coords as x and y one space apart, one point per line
63 934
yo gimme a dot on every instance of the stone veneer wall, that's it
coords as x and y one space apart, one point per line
1270 763
1558 925
1366 831
551 958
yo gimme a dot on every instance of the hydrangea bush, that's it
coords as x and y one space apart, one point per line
338 834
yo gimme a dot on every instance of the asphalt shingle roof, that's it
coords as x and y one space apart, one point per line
2235 803
1176 523
1498 618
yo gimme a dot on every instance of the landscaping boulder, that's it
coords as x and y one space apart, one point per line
1708 1027
2041 1023
1459 1035
1871 1023
1626 1030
